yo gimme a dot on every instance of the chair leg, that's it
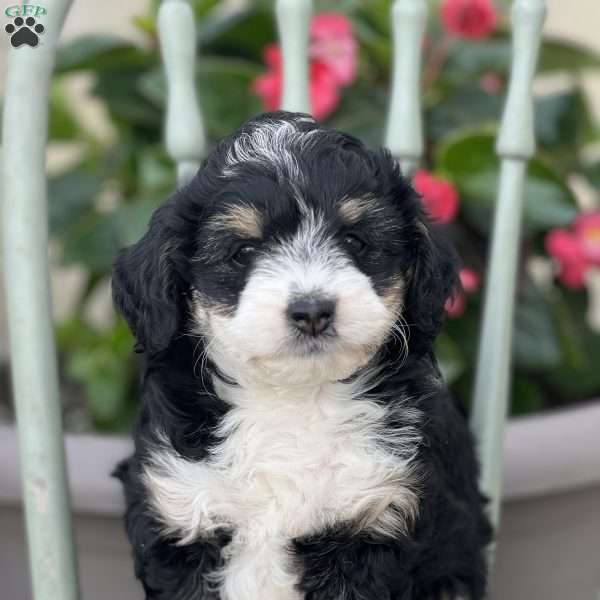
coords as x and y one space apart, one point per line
34 368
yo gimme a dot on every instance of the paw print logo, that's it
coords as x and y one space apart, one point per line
24 31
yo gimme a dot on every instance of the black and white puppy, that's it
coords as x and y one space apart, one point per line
296 439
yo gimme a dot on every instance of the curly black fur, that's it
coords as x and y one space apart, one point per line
443 557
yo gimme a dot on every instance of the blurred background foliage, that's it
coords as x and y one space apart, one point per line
104 201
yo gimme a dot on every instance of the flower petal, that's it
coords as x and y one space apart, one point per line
330 24
439 196
587 229
470 19
324 90
566 249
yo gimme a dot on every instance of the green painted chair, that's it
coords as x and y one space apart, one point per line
25 235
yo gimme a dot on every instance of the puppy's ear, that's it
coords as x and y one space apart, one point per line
433 274
433 279
147 287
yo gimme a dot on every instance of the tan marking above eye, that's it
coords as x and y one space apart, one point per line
242 219
353 209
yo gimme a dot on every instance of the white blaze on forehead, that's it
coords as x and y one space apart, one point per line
257 341
272 145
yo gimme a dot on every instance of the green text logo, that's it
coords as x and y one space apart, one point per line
25 10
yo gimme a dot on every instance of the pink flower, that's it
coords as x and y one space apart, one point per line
470 19
272 57
491 83
333 43
268 85
470 280
439 196
576 249
324 92
566 249
333 62
457 304
587 228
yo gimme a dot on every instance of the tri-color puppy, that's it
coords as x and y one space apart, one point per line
296 440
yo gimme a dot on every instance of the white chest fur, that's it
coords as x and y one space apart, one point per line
290 463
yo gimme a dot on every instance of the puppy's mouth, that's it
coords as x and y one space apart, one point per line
305 344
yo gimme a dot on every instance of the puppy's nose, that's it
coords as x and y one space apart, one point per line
311 315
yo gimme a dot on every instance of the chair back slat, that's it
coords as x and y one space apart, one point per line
184 129
515 147
404 135
293 21
32 347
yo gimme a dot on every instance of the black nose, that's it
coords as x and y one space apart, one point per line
311 315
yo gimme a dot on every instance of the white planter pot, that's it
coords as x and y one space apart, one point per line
548 546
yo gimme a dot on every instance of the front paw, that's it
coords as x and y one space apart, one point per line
352 567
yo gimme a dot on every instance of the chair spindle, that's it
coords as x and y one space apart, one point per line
293 20
515 146
184 129
404 136
32 347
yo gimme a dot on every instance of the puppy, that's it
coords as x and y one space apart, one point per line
295 439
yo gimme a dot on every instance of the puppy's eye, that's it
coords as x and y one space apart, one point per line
354 244
244 255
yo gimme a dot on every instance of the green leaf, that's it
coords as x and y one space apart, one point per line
98 52
100 361
120 91
202 8
546 204
563 55
224 90
92 240
467 60
133 219
242 34
592 172
450 358
461 107
362 113
375 14
468 151
156 171
70 195
63 124
469 159
526 396
577 376
146 24
563 124
535 342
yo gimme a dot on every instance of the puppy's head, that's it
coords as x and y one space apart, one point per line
296 253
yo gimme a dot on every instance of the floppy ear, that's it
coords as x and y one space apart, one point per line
433 279
146 285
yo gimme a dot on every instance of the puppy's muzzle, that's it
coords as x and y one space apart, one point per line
311 316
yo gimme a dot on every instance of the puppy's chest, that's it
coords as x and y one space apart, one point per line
288 468
293 474
291 468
